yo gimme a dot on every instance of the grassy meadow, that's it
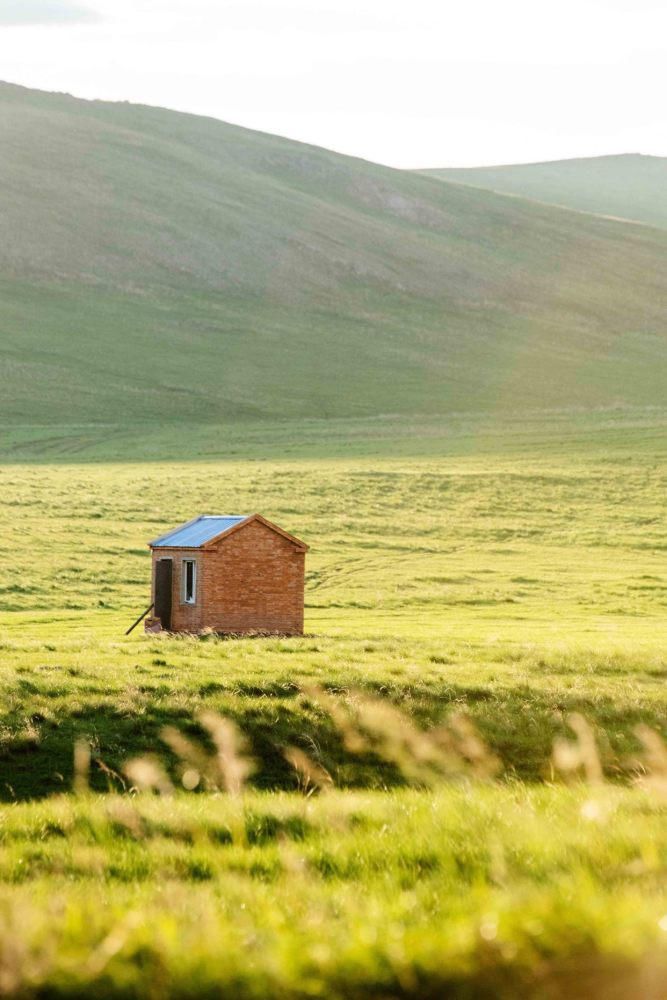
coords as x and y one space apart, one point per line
461 893
474 590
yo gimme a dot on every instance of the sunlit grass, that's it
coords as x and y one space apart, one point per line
515 587
465 893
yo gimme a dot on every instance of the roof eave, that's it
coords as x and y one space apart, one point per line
175 548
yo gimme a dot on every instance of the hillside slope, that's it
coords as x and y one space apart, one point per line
160 266
627 187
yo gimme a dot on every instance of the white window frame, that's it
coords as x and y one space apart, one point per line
184 581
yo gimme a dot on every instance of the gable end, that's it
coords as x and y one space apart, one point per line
296 542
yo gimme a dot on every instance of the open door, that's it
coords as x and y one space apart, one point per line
163 573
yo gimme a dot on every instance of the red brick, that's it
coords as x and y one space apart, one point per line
249 581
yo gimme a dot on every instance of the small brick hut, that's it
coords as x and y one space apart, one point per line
231 574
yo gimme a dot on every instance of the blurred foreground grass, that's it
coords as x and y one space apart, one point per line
466 892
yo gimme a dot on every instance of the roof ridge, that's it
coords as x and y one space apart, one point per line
194 534
203 517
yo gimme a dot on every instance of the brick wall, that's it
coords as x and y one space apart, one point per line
253 582
250 581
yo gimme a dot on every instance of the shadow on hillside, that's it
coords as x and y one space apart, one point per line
35 768
519 726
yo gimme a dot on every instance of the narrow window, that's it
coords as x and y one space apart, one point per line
189 581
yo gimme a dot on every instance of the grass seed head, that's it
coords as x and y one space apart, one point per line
148 775
231 762
311 776
81 767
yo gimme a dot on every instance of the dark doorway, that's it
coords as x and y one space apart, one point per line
163 571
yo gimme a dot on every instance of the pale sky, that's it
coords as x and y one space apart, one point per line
410 83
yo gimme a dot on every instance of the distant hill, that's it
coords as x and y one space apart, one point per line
627 187
159 266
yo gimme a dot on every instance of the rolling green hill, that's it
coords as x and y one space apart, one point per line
159 266
630 186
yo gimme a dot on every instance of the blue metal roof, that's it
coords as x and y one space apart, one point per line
196 533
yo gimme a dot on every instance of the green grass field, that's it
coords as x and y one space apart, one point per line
467 892
513 572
